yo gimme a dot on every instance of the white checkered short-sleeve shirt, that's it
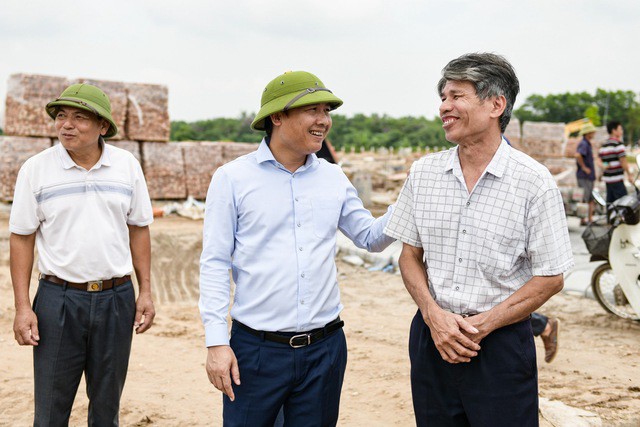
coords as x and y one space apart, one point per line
480 248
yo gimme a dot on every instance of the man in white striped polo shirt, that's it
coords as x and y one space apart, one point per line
85 205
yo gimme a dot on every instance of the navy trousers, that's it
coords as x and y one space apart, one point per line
499 387
306 382
80 332
538 323
615 190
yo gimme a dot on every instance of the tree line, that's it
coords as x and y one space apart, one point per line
358 132
368 132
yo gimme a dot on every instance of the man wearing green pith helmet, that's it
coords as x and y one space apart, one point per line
271 217
85 205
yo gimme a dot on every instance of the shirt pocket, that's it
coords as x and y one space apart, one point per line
498 251
326 214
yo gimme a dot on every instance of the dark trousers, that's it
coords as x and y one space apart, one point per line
80 332
306 382
499 387
615 190
538 323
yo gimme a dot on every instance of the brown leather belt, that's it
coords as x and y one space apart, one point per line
91 286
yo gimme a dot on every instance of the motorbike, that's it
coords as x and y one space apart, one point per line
615 239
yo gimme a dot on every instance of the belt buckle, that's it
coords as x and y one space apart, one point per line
94 286
307 336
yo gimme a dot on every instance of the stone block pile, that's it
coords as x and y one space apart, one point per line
173 170
14 151
512 132
543 139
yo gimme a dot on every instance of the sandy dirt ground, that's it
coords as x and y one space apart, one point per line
597 368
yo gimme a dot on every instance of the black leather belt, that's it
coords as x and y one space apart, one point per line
295 339
92 286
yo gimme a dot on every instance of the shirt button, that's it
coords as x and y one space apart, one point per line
298 224
468 203
300 248
296 199
459 259
302 275
302 302
464 231
457 288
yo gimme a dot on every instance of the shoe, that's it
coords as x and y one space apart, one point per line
551 341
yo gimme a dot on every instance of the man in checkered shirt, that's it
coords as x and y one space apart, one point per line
485 244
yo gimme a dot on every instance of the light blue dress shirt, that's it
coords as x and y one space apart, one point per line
276 231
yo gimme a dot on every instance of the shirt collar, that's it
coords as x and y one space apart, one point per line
264 154
496 166
68 163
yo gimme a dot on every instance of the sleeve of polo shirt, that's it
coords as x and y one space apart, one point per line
402 224
622 151
548 245
218 243
24 219
140 212
582 149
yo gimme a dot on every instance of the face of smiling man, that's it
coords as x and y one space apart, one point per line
300 132
465 117
79 130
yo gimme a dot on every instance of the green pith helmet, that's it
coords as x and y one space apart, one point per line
290 90
85 97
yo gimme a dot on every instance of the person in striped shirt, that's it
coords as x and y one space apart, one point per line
614 161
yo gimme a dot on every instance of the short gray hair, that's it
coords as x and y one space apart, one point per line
491 75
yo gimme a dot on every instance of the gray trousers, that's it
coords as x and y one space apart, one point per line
80 332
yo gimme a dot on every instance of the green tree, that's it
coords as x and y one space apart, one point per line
564 107
592 114
601 107
360 131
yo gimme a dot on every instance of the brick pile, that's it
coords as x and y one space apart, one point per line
131 146
141 111
512 132
543 139
27 94
233 150
148 112
201 159
163 166
14 151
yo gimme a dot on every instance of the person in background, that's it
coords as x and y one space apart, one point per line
586 173
548 329
614 162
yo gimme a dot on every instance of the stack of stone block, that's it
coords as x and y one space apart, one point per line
543 139
173 170
513 134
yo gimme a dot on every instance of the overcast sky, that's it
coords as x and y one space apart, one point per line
379 56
